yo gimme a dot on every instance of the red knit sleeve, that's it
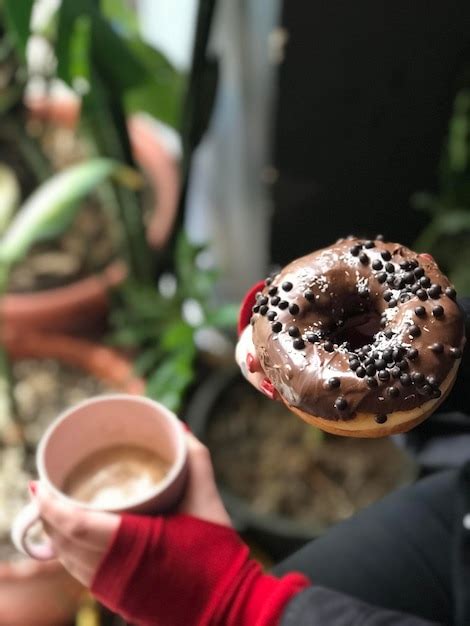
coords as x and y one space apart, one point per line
183 571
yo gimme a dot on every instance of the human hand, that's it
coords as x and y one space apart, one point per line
81 538
248 362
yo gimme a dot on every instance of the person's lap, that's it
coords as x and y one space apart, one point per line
396 554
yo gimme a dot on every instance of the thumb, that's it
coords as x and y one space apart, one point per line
202 498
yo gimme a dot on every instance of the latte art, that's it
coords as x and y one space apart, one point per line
111 477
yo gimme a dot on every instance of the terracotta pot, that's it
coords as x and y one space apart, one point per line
34 593
76 308
82 306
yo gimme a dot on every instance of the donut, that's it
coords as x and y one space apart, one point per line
362 338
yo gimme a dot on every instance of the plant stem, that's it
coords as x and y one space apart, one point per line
105 118
28 148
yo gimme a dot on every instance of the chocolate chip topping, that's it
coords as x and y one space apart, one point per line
334 382
327 294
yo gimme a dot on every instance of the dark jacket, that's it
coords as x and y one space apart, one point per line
318 606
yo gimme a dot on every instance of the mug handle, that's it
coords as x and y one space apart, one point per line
24 521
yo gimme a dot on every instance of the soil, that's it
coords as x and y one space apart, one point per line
283 466
87 246
42 389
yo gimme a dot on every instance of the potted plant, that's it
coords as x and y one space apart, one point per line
283 481
112 95
46 213
60 286
448 229
175 328
48 374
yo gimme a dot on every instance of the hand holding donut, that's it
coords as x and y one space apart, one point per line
362 338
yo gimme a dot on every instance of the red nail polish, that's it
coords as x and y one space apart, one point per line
32 487
250 363
268 388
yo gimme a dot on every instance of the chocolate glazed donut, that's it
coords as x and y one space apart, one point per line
362 338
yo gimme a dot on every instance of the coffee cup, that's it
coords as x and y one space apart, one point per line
124 433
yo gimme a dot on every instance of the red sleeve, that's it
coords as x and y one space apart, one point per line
183 571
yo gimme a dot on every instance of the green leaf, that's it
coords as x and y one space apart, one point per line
144 301
9 195
130 335
104 118
18 18
146 361
177 334
109 51
224 316
141 75
80 51
448 223
185 262
50 209
164 104
453 222
122 17
170 380
162 94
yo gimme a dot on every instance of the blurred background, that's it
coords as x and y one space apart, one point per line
159 157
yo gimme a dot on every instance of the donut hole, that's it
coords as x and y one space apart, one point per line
359 330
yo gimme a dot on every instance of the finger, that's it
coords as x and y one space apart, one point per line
80 562
84 574
91 529
82 566
202 498
199 460
66 544
252 363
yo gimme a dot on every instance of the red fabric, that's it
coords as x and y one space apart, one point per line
248 303
183 571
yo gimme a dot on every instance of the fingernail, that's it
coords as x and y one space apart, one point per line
32 488
186 427
268 388
426 257
250 363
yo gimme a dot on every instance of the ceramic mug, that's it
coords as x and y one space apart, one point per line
95 424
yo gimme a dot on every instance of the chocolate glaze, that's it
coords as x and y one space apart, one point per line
347 330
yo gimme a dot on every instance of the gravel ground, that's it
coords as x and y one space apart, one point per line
42 388
281 465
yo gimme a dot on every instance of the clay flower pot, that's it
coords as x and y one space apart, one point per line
82 306
76 308
35 593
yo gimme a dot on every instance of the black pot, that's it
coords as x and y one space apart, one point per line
278 536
